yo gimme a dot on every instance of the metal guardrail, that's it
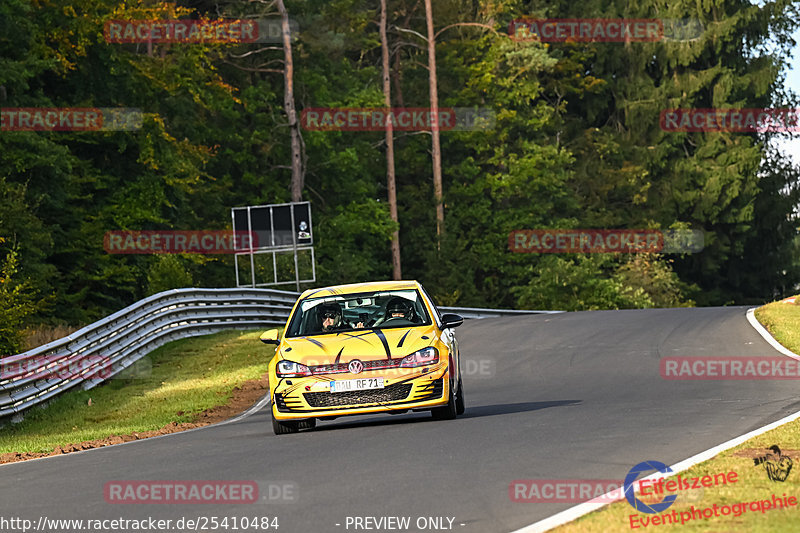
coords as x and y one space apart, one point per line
105 348
478 312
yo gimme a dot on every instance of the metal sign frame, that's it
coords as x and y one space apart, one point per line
273 248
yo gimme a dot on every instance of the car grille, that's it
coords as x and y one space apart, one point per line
382 363
392 393
329 369
339 368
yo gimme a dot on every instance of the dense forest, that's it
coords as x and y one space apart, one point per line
575 142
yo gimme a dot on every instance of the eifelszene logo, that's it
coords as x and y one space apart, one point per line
630 479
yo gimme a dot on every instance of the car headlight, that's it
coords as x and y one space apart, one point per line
426 356
290 369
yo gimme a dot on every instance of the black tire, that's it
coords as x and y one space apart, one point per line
308 423
284 428
446 412
460 406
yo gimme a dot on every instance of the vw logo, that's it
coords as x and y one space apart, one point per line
355 366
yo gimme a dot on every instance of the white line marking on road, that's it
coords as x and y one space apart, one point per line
579 510
751 317
257 407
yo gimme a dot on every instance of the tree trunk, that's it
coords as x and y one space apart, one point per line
288 105
390 177
396 75
437 153
398 88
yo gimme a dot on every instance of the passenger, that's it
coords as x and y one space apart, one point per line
331 317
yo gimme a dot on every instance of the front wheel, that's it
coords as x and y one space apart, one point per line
283 428
449 411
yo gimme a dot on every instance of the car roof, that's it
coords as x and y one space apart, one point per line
361 287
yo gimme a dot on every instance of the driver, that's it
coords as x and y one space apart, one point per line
331 316
399 308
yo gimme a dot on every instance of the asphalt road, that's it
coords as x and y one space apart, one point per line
568 396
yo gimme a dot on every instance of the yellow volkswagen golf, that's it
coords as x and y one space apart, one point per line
365 348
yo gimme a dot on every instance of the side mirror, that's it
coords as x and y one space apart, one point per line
450 320
271 336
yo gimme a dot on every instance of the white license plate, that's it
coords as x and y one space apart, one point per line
356 384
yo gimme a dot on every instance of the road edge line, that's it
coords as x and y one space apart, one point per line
582 509
751 317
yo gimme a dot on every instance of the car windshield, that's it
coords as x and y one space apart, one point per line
366 310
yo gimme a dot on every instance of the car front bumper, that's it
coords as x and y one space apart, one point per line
310 397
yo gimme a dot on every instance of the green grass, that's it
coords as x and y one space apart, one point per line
783 322
186 376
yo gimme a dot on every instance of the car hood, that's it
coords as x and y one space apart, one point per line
367 345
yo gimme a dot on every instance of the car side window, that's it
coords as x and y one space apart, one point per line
436 312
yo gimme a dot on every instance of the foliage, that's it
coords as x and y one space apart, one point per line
17 302
167 272
576 143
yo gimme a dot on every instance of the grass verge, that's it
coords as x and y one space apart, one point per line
752 483
172 385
